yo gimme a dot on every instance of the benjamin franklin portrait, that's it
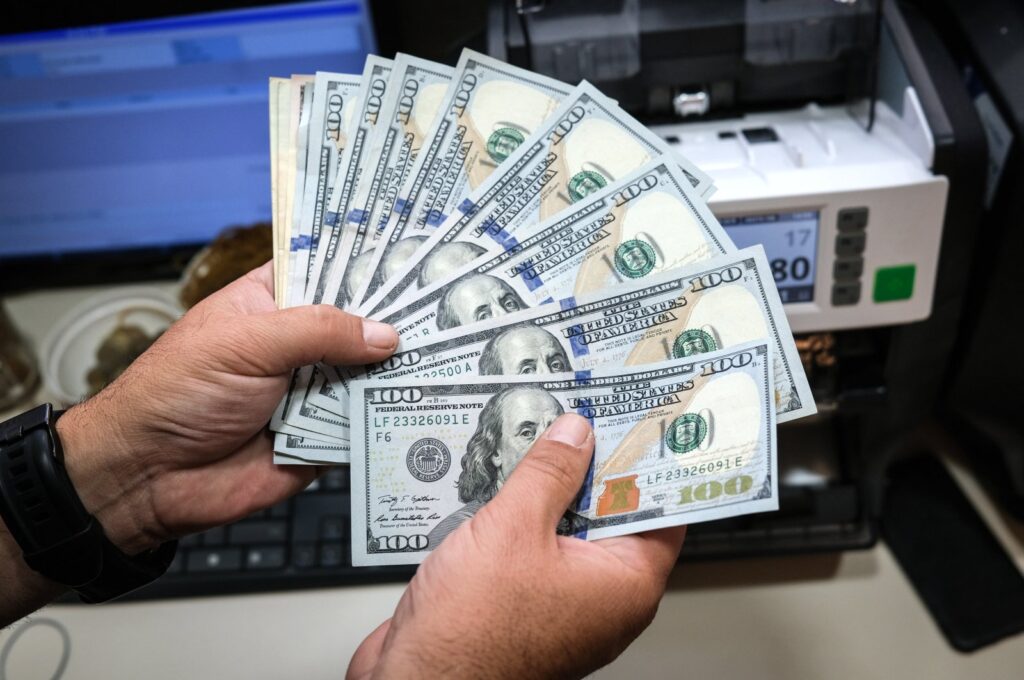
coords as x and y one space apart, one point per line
399 254
476 298
509 424
356 274
523 350
444 259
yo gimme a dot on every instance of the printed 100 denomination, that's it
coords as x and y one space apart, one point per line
676 443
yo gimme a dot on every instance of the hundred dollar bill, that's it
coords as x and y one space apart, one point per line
285 428
314 421
684 441
334 99
649 223
712 305
278 109
586 145
414 97
490 109
373 89
291 449
288 141
291 278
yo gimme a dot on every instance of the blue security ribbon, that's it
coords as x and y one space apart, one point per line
579 347
531 278
357 216
435 218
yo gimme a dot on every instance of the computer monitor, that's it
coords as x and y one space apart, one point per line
126 144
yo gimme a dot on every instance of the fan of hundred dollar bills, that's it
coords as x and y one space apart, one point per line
539 252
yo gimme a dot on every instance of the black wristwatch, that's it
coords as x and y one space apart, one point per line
58 537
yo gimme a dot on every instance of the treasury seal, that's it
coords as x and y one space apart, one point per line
635 258
503 142
686 433
693 341
585 183
428 460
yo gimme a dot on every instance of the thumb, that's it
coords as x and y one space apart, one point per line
548 478
284 339
368 654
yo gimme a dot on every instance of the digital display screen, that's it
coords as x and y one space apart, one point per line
790 242
153 133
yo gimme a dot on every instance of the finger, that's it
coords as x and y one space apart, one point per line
248 294
264 276
652 551
368 653
550 475
276 342
232 488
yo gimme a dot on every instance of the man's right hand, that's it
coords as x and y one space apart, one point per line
505 597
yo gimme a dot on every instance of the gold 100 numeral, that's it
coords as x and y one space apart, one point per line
710 490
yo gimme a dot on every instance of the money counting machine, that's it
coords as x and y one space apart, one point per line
839 135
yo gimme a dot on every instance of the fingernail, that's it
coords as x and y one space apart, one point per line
569 429
379 335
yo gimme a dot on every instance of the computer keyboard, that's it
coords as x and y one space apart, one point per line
305 542
300 543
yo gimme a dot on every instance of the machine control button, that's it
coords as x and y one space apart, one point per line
848 268
850 244
852 219
845 293
760 135
894 283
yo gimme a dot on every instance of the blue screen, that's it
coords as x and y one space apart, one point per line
790 242
153 133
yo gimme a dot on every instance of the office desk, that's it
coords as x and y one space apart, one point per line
818 616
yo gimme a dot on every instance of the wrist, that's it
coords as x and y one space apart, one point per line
25 589
108 478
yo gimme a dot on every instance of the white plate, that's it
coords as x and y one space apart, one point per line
69 350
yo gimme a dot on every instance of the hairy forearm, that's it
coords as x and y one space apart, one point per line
22 590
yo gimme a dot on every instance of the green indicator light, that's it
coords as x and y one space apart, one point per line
894 283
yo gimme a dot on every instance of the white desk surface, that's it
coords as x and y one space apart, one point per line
851 615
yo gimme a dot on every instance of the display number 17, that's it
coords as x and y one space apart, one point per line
797 237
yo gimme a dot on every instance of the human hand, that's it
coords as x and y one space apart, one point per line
505 597
178 442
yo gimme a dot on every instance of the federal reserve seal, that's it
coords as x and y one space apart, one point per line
635 258
693 341
503 142
686 433
585 183
428 460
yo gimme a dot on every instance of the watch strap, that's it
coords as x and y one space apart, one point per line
45 516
